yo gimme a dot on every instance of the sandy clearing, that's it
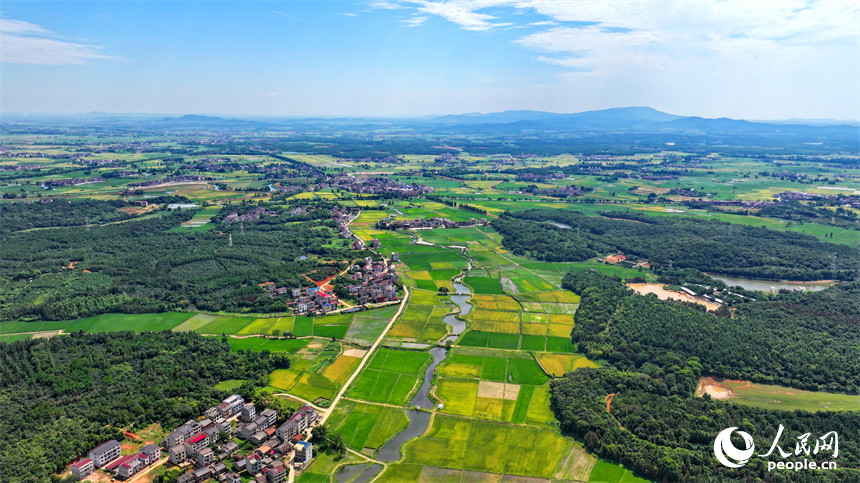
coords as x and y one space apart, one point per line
710 386
46 335
663 294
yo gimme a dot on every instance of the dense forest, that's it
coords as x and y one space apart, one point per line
24 216
706 245
660 430
65 395
798 212
808 340
142 266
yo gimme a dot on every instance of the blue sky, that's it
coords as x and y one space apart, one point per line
740 59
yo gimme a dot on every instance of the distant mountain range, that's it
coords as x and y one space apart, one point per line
641 120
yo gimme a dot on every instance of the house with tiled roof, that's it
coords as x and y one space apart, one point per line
83 468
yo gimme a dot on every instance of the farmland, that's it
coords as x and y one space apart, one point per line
514 450
390 376
495 422
320 369
366 425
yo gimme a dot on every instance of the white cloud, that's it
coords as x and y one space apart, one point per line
414 21
271 94
543 23
349 14
385 5
28 43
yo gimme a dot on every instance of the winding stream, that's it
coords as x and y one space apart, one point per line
419 420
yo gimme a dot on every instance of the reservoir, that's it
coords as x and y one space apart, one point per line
772 286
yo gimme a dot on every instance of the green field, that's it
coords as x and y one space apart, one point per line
367 326
367 425
604 472
390 376
779 397
260 344
458 443
492 340
421 322
500 366
483 285
102 323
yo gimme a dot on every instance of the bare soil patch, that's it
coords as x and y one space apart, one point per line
355 353
495 390
663 294
709 385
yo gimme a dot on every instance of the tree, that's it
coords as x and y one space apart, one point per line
443 290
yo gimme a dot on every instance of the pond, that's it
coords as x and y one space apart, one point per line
772 286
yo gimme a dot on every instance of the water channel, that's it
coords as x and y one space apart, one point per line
419 420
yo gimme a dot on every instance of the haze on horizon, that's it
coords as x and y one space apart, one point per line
400 58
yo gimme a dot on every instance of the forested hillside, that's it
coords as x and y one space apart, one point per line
659 429
63 396
804 340
706 245
141 266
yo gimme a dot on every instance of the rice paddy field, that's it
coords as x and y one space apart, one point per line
318 371
324 465
101 323
495 448
421 323
558 365
367 326
390 376
367 427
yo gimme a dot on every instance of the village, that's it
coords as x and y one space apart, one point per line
374 185
209 448
433 222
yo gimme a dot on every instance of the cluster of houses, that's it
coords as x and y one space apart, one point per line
206 445
51 183
20 167
108 457
174 179
374 185
741 203
252 215
100 162
433 222
555 191
384 159
313 300
376 281
7 153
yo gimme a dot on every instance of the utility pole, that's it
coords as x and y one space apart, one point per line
230 240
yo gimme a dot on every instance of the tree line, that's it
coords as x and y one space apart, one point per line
65 395
705 245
